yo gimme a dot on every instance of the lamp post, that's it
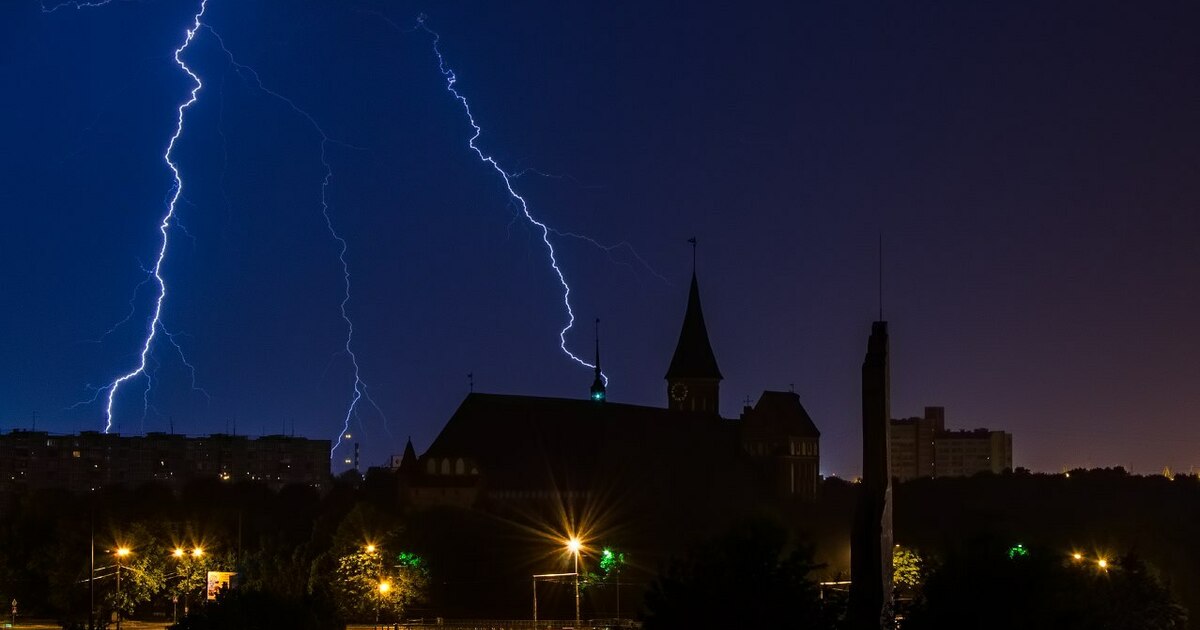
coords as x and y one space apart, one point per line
384 587
574 545
178 554
121 553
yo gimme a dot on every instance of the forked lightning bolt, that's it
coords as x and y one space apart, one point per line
451 79
360 387
164 226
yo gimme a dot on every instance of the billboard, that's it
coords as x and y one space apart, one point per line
219 581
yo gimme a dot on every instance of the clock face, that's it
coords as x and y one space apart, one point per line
679 392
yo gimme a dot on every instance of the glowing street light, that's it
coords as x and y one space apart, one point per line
574 545
1077 556
121 552
383 586
197 552
1103 564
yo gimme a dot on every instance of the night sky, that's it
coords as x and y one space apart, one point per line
1032 167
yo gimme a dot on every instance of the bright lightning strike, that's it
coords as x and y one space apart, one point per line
164 226
451 79
360 386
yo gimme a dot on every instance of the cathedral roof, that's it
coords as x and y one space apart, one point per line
529 441
693 354
779 413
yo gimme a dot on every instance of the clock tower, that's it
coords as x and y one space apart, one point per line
693 379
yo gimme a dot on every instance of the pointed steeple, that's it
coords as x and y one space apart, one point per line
408 462
693 379
599 391
694 356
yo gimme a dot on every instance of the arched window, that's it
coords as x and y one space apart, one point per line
460 467
431 466
446 466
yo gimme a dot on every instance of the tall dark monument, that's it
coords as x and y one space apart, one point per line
693 380
871 540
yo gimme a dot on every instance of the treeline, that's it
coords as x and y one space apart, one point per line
1099 514
286 544
307 551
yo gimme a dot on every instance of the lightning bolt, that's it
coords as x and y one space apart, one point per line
74 4
451 80
360 386
164 227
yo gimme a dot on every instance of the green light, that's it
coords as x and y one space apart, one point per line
410 560
1017 551
610 560
597 395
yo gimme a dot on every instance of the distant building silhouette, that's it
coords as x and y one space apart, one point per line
922 447
89 460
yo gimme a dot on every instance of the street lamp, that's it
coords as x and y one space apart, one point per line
121 553
574 545
180 553
384 587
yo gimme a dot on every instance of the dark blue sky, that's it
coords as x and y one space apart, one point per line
1033 168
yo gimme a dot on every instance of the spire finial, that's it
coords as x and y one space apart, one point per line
599 391
881 275
471 382
597 346
693 242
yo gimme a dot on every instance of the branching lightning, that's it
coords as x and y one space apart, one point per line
360 386
451 79
74 4
170 221
165 225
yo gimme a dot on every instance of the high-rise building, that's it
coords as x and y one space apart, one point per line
922 447
912 444
965 453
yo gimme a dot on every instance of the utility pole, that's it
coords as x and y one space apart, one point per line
92 568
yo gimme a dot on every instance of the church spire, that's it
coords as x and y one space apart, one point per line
693 378
694 356
599 392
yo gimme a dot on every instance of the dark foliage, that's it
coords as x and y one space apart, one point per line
981 587
1100 511
743 579
256 610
